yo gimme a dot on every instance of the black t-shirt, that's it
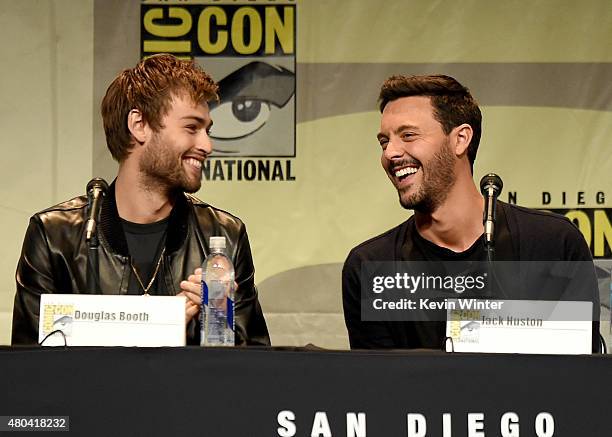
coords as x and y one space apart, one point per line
520 234
431 334
432 252
415 247
145 243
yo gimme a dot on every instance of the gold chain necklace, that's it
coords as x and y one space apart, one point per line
146 289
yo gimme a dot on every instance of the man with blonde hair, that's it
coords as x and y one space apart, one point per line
153 234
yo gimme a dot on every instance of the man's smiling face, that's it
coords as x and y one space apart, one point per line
416 153
175 153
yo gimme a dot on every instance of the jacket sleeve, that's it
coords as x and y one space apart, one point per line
551 237
34 276
362 334
576 249
250 324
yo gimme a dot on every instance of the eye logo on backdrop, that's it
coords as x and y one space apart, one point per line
249 50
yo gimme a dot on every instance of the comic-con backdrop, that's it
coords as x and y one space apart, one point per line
296 155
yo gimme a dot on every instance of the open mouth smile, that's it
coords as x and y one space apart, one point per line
193 163
404 175
406 171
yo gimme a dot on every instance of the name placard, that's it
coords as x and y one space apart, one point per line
112 320
525 326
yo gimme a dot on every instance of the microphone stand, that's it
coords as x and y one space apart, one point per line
96 190
489 238
93 264
490 187
490 249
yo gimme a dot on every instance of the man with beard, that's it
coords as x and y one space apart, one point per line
153 235
429 134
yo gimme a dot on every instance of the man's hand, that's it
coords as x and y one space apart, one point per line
192 290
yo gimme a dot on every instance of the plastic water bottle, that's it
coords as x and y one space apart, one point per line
217 296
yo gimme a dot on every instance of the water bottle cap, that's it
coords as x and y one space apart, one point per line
217 243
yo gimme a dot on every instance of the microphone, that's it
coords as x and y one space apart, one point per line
490 186
96 189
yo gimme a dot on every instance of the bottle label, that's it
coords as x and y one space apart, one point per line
230 314
204 293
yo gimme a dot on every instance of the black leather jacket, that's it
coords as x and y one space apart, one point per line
54 260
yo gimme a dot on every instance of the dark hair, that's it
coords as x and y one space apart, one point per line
149 87
452 103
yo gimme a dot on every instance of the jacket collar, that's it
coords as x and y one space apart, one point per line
112 230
